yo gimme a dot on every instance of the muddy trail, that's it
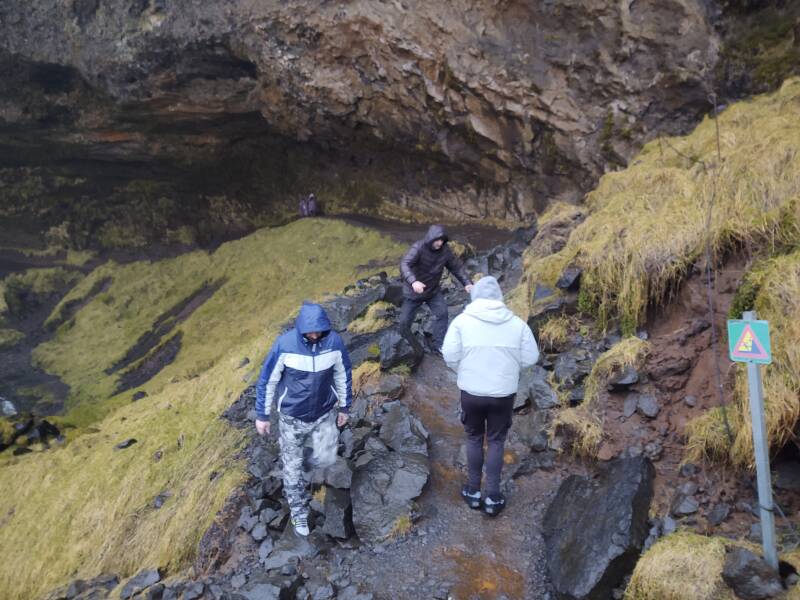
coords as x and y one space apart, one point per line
453 549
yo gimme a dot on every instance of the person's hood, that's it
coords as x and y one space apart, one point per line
312 317
487 302
435 232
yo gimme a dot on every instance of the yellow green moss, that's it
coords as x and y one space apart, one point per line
102 520
9 337
372 320
681 566
647 223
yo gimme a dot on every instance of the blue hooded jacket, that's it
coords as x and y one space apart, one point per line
308 379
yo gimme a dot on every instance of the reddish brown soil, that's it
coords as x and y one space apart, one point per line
674 338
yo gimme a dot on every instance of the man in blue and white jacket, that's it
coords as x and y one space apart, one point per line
307 372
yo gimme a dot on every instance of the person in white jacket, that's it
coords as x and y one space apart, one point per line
487 345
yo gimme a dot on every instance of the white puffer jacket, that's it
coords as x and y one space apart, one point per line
487 345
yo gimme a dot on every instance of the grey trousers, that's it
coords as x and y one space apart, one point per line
304 447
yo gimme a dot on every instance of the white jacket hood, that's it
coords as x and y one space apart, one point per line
487 302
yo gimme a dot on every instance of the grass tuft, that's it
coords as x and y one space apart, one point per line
375 319
681 566
584 429
630 352
401 527
9 337
555 332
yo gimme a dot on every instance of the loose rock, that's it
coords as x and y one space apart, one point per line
595 527
750 576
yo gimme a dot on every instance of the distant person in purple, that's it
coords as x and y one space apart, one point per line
303 207
311 205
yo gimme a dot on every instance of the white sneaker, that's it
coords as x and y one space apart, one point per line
300 525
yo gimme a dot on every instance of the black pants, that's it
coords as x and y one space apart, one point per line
490 418
438 308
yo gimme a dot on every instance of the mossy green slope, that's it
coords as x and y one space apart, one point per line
86 508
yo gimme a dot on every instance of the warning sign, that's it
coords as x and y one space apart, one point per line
748 341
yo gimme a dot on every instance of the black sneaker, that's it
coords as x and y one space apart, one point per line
471 497
494 504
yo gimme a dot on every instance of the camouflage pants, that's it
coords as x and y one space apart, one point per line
305 447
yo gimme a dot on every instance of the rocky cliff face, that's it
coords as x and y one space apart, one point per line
472 108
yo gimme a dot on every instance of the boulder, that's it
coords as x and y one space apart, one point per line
338 514
719 513
193 590
531 429
289 547
265 549
139 582
125 444
647 406
570 278
683 505
338 475
388 385
384 486
572 367
81 589
7 409
344 309
397 350
595 527
534 389
401 431
629 405
621 381
749 576
262 591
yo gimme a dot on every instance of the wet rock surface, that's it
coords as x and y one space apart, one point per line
750 577
596 526
488 90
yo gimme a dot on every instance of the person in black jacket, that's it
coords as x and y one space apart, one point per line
421 269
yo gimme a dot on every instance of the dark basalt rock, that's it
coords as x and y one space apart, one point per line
397 350
384 485
595 527
750 576
139 582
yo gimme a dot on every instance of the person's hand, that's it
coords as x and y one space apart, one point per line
418 287
262 427
468 288
342 419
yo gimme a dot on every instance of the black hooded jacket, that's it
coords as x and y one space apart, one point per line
423 263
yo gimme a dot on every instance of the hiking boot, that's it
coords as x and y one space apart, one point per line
494 504
471 496
300 525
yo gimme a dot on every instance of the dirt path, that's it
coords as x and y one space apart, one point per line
452 548
481 237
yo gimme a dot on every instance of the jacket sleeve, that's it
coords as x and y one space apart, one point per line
529 351
451 348
343 376
271 373
457 269
408 261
